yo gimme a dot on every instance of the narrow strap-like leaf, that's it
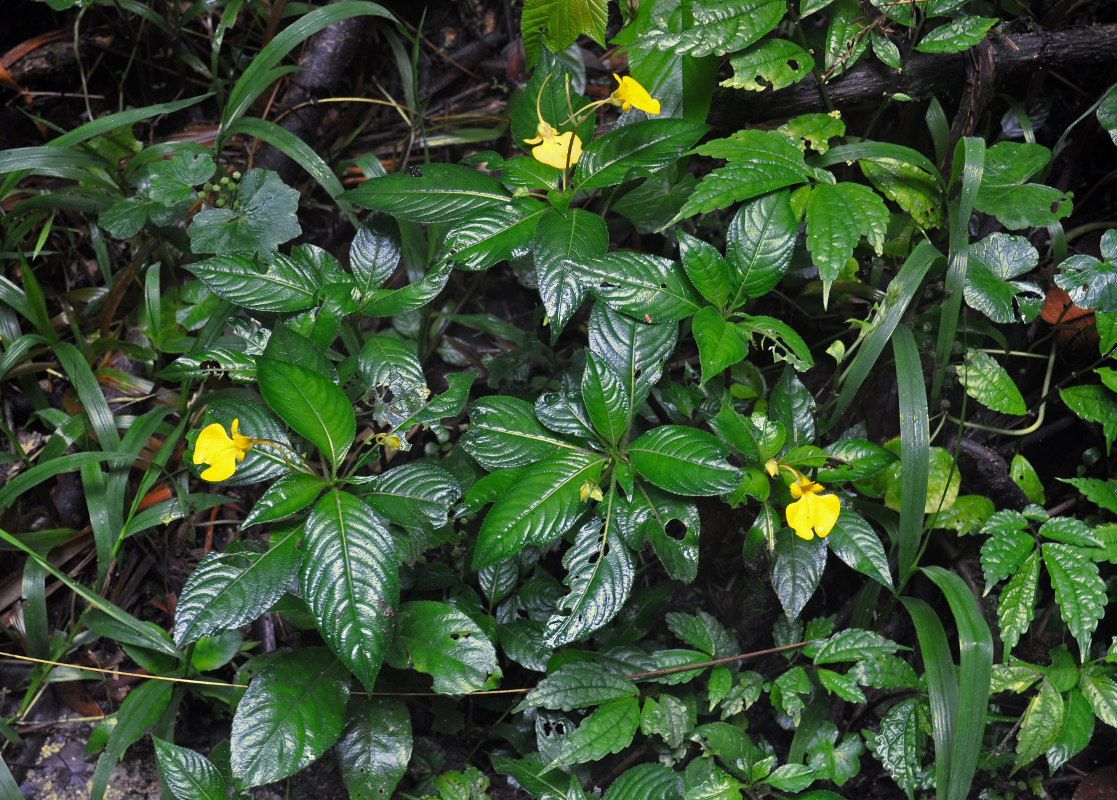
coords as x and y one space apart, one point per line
915 446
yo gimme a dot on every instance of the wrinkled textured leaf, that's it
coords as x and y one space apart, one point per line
443 642
413 494
291 713
578 684
647 782
288 284
1005 193
392 374
858 545
993 263
1003 553
796 571
684 460
430 193
600 570
646 287
606 399
1089 282
987 382
638 150
706 268
838 215
263 217
562 241
1040 724
771 64
375 251
914 190
758 245
374 747
1079 590
898 745
1101 692
188 774
609 729
717 27
637 352
792 406
503 432
350 581
720 345
852 644
493 234
957 35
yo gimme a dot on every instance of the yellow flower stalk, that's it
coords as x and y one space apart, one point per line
222 451
630 93
812 513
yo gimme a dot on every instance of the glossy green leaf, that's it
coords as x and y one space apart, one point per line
845 36
1079 590
186 774
647 782
1076 732
1016 607
636 351
770 64
140 710
720 345
1089 282
606 399
993 263
289 284
987 382
1006 194
430 193
227 590
708 271
173 180
609 729
1040 724
286 496
1107 113
562 241
563 411
538 508
852 644
717 27
838 215
350 582
493 234
312 405
914 190
388 302
1005 549
841 686
898 745
443 642
393 376
703 631
1025 476
1101 692
858 545
783 342
291 713
638 150
530 774
957 35
668 718
833 760
375 747
942 482
796 571
503 432
1094 404
758 245
860 459
886 51
263 217
1069 530
600 569
684 460
256 420
669 523
413 494
792 405
756 438
375 251
1101 493
578 684
644 286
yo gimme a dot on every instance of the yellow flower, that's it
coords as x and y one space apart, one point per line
630 93
221 451
811 512
559 150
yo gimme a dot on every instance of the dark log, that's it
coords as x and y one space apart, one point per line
926 74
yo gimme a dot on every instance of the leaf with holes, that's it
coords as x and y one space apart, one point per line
538 508
609 729
637 352
430 193
443 642
1089 282
684 461
291 713
350 581
1079 590
599 575
227 590
374 747
390 371
720 345
784 343
772 64
576 685
669 523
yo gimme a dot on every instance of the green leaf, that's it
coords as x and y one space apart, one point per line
1101 692
312 405
173 180
350 582
720 346
1089 282
852 644
289 284
815 130
503 432
573 18
264 216
186 774
1009 543
758 245
772 64
717 27
684 460
1069 530
861 459
493 234
227 590
1076 732
884 672
786 345
561 242
389 302
898 745
796 571
375 251
987 382
609 729
1040 724
756 438
538 508
759 162
858 545
1094 404
1005 193
141 709
413 494
702 631
792 406
578 684
637 352
648 519
914 190
943 483
957 35
667 718
443 642
993 262
886 51
375 747
1101 493
393 376
1107 112
644 286
706 268
840 685
790 777
600 569
838 215
606 400
1079 591
563 411
530 774
430 193
647 782
637 150
845 36
291 713
833 761
1024 475
286 496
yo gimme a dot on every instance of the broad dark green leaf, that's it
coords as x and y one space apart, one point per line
187 774
538 508
1040 724
375 747
646 287
430 193
413 494
579 684
684 460
600 569
771 64
1089 282
852 644
493 234
563 411
393 376
291 713
1094 404
1079 590
609 729
503 432
720 344
636 351
898 746
993 263
350 582
838 215
650 782
312 405
563 240
796 571
634 151
703 631
758 245
855 542
1006 194
957 35
388 302
606 399
289 284
706 268
1077 731
755 438
443 642
288 495
717 28
226 590
783 342
792 406
375 252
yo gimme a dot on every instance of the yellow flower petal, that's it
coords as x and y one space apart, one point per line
827 509
558 150
812 513
630 93
220 450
